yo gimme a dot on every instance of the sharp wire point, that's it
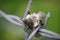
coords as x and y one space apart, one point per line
28 7
46 20
48 14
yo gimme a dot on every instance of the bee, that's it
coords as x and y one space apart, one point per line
32 20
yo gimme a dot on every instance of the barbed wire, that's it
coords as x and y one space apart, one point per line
31 33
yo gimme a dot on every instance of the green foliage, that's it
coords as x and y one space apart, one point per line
17 7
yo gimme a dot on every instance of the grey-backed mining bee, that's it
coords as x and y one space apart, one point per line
32 20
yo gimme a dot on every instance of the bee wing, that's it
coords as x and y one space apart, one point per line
33 33
28 7
46 20
49 34
12 18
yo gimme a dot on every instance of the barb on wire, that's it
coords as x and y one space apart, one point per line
28 7
46 20
26 38
11 18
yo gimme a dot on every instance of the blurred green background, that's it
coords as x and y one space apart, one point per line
10 31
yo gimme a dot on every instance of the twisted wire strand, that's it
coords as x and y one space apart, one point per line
50 34
10 18
33 33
